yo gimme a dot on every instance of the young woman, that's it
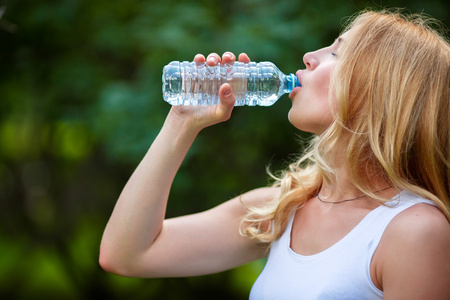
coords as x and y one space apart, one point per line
363 215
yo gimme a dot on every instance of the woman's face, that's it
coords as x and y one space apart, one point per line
311 109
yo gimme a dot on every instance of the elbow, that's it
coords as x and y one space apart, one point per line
106 263
113 264
109 264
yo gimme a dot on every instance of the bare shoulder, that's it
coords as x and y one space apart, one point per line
257 198
415 252
260 196
239 205
419 223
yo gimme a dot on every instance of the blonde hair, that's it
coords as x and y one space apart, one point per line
391 84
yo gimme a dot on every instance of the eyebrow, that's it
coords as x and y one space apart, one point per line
338 41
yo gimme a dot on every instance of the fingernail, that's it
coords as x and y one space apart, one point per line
212 59
227 91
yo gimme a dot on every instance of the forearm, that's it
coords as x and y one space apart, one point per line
139 212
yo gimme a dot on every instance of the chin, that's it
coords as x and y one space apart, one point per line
291 118
294 120
301 123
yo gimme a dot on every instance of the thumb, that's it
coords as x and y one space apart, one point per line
227 100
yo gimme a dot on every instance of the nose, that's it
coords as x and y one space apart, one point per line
310 60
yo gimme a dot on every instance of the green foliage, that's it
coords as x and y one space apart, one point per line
81 102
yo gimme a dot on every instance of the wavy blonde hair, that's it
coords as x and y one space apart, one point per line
391 84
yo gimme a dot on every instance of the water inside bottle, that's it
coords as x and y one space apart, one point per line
190 84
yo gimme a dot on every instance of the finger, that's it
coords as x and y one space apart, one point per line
213 59
199 58
243 57
228 58
226 105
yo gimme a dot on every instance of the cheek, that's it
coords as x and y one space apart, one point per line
323 83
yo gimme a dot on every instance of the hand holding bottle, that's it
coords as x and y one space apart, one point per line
201 116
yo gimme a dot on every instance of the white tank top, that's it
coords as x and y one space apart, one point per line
339 272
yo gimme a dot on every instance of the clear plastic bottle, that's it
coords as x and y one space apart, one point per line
190 83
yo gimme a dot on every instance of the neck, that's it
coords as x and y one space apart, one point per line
341 186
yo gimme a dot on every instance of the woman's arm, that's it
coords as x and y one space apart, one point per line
138 241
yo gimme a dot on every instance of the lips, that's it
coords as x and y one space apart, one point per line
294 90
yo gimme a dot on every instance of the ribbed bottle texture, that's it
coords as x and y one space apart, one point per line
190 83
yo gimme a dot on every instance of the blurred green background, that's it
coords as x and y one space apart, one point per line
80 88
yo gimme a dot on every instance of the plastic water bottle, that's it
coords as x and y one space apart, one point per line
190 83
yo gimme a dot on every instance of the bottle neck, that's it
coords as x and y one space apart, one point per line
290 82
